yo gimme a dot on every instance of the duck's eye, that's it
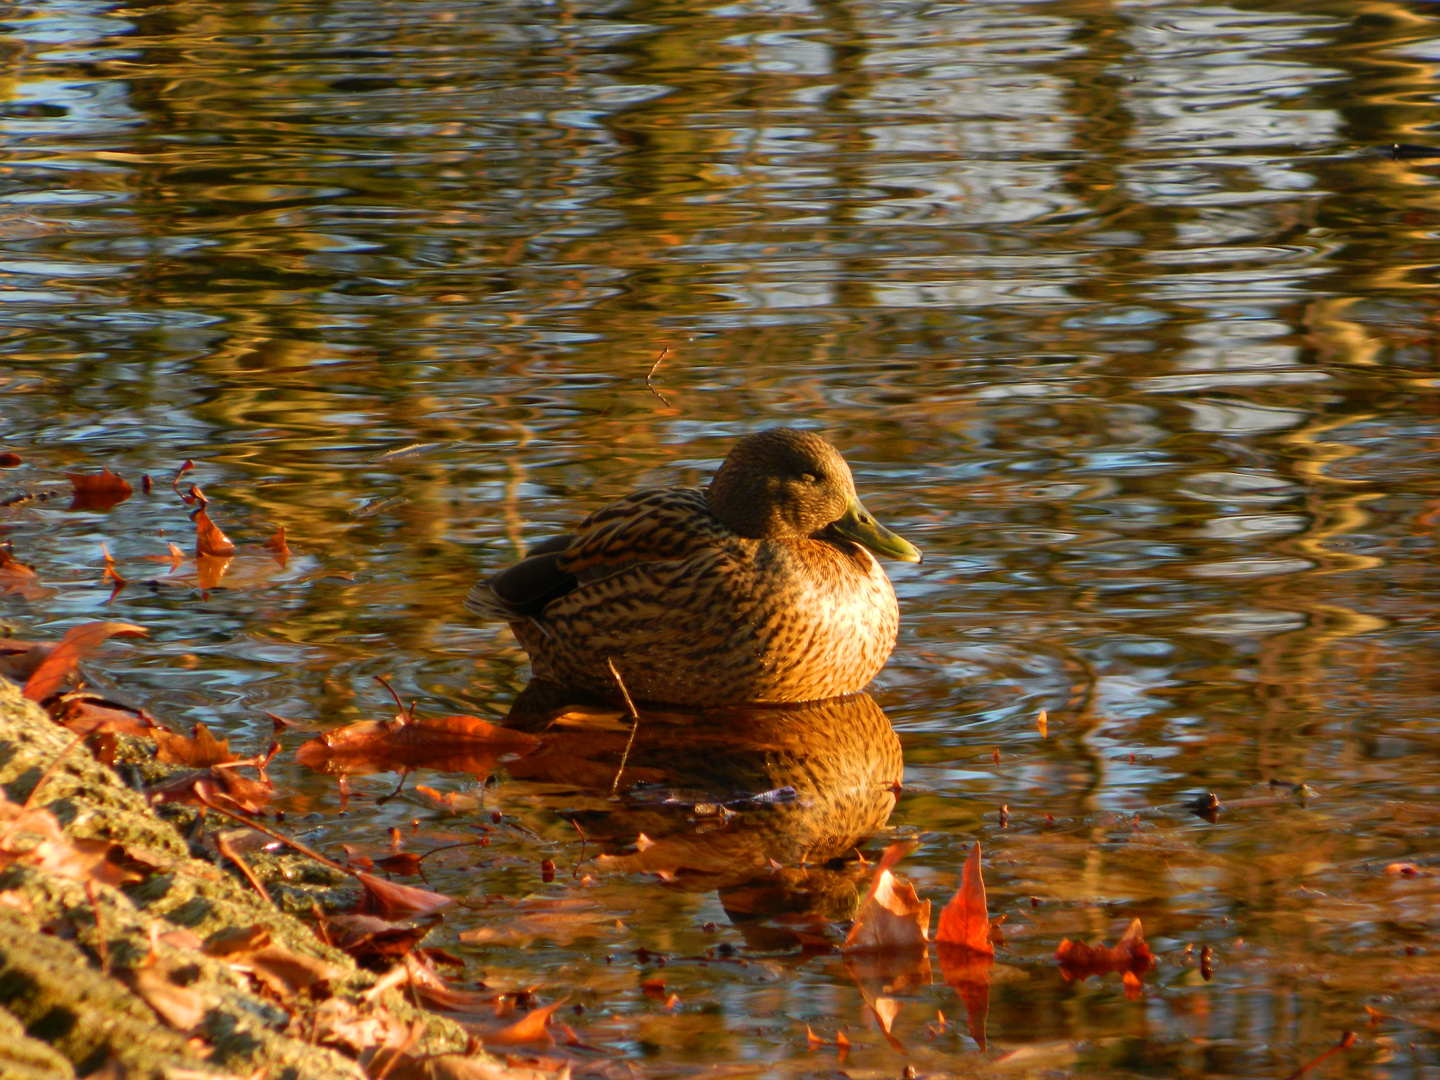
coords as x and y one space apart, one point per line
809 478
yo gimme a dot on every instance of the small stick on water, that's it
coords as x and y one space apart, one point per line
1347 1040
634 722
650 386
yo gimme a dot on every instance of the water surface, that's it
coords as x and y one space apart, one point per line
1123 312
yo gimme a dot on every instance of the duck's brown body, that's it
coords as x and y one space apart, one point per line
694 613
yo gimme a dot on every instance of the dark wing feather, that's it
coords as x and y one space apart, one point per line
658 525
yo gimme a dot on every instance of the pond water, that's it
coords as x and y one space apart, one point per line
1124 313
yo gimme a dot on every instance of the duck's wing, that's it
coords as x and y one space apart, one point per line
659 525
525 588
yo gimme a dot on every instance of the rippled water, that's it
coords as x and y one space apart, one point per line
1124 313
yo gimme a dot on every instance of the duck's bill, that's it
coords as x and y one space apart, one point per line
860 525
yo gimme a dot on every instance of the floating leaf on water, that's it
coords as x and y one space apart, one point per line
531 1028
389 900
451 743
965 921
17 579
209 540
891 917
78 640
97 491
1130 955
199 752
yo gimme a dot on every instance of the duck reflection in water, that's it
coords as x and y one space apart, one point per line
724 796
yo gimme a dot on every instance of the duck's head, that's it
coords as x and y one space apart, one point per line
784 484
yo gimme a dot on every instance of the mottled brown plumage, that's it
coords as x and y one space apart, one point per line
759 588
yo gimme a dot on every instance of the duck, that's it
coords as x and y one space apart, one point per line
762 587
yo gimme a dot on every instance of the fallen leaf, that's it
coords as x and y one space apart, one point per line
282 971
97 491
185 467
370 939
179 1006
77 641
389 900
891 917
530 1028
209 540
199 752
965 921
276 546
111 575
452 743
337 1022
19 659
1129 955
451 802
86 713
404 863
554 919
17 579
220 785
102 861
458 1067
9 460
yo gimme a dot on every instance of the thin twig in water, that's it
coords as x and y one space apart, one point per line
634 723
653 368
230 853
1347 1040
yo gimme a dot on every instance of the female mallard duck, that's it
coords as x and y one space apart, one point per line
759 588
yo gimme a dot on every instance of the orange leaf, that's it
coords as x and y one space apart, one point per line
891 918
391 901
276 546
530 1028
19 579
965 921
1130 954
97 491
199 752
9 461
209 540
86 714
451 743
77 641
